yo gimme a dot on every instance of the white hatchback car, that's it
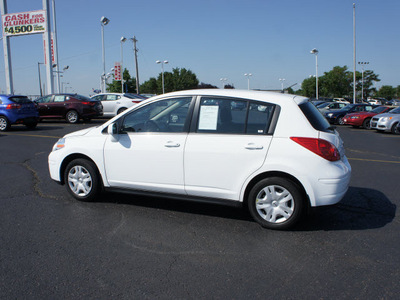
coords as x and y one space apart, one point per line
115 103
278 155
387 121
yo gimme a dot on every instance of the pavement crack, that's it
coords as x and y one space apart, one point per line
36 180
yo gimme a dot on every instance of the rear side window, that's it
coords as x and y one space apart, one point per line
314 116
233 116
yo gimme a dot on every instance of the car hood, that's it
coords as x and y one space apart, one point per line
80 132
388 115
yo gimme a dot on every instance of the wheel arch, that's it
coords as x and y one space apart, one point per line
72 157
281 174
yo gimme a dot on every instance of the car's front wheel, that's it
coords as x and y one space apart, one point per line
276 203
340 121
72 116
82 179
4 124
395 128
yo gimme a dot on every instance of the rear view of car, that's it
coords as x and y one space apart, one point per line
17 110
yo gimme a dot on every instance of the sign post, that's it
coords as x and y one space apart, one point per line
30 22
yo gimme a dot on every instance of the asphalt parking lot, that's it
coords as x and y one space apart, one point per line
54 247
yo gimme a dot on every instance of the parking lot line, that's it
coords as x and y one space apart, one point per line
375 160
32 135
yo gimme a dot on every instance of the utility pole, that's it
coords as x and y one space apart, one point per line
7 54
135 50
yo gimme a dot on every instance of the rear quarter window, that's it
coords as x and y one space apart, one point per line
314 116
20 100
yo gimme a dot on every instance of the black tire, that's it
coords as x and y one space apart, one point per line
284 203
340 120
121 110
82 180
367 123
4 124
72 117
31 125
395 129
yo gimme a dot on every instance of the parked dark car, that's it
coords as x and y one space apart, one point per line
71 107
17 110
336 117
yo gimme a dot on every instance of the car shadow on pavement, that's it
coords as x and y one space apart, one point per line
360 209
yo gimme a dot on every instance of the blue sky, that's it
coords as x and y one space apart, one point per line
271 39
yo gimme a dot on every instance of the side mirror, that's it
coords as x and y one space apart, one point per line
112 130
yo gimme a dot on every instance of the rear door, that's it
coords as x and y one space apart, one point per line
229 143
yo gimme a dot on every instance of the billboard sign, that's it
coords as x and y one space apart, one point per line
117 71
24 23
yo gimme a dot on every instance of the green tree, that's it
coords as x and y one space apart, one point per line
129 84
336 83
369 78
177 80
308 87
387 91
150 86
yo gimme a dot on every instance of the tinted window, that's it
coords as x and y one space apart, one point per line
379 109
217 115
44 99
162 116
80 97
20 99
395 111
316 119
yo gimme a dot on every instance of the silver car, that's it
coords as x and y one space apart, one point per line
387 121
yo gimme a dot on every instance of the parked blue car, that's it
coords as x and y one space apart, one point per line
17 110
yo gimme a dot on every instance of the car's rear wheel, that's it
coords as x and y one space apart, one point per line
276 203
72 116
82 180
395 128
4 124
367 123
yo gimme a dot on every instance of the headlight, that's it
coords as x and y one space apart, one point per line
385 119
59 145
330 115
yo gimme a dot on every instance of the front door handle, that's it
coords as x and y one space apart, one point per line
252 146
171 144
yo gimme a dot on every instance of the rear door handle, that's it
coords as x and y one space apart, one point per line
252 146
171 144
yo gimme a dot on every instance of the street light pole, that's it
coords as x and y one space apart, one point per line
123 39
104 21
162 72
223 82
315 51
40 80
362 63
282 80
248 79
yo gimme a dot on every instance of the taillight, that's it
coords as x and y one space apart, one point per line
136 102
89 103
13 106
320 147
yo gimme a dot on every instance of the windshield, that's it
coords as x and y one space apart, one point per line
395 111
134 96
322 105
379 109
314 116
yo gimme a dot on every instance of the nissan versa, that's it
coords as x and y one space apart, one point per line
277 155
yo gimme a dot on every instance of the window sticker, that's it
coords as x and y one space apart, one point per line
208 117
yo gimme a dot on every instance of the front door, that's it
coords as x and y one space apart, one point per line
149 152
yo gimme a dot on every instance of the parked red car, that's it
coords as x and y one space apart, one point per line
363 118
71 107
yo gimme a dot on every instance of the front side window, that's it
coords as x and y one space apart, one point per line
218 115
44 99
168 115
